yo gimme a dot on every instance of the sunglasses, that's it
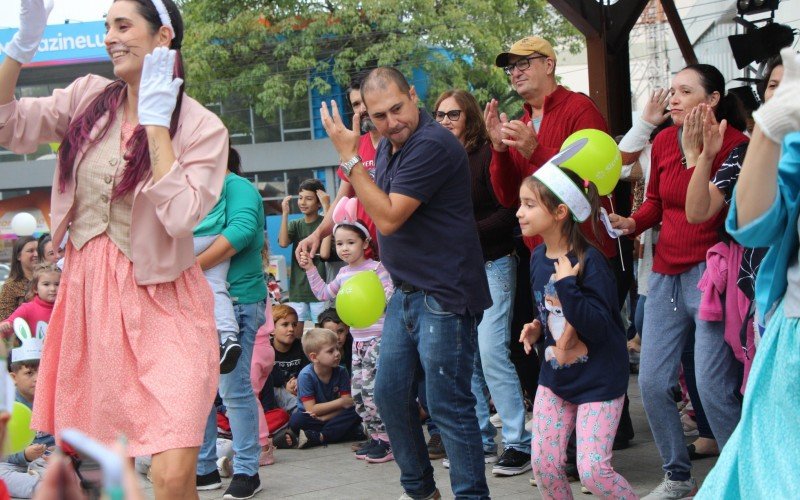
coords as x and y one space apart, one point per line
452 115
522 64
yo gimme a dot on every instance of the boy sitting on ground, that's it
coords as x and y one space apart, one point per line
326 412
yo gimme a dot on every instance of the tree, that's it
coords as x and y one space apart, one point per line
272 51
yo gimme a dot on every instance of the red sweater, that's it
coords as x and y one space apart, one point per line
564 113
680 245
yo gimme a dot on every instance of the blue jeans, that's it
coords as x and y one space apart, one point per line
237 394
493 367
422 340
344 426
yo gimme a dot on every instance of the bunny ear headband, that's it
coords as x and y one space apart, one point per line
31 348
345 214
164 15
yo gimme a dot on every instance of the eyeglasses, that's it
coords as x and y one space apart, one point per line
453 115
522 64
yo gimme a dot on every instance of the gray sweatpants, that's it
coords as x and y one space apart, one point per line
670 320
217 278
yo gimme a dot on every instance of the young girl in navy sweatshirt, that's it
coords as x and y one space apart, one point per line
584 371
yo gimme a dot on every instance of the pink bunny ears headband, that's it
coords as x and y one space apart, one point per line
344 214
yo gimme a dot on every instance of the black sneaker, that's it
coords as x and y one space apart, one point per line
436 448
229 353
242 486
210 481
511 463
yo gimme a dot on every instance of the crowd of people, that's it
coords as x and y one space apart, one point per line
510 295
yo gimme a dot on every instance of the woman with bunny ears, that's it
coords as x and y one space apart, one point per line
139 166
351 239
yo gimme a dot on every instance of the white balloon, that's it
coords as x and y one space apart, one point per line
23 224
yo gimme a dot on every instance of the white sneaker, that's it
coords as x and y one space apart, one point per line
673 490
585 490
496 421
489 457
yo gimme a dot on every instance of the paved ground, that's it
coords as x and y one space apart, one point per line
333 472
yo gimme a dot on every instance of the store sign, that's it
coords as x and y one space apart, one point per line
73 43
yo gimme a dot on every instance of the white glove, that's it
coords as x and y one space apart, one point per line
32 22
158 91
781 115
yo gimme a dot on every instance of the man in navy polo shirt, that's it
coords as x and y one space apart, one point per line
421 204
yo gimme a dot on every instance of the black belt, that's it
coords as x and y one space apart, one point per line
406 287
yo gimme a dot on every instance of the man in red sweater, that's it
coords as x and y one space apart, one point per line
551 114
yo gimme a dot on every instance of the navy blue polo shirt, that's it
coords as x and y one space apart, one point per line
437 249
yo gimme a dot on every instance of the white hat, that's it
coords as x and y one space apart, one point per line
551 175
31 348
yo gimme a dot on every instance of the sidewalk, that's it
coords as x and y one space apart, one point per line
333 472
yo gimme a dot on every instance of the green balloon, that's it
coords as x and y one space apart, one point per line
361 300
596 159
18 432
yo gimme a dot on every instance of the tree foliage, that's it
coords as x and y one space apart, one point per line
271 52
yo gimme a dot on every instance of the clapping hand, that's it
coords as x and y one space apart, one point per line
494 124
692 135
713 133
521 136
655 110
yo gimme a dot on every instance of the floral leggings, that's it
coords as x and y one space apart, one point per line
365 362
554 419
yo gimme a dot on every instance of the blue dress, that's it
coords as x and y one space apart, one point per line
760 459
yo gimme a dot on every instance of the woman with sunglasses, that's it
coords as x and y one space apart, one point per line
458 111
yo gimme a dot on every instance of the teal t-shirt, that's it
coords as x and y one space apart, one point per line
299 289
214 222
244 213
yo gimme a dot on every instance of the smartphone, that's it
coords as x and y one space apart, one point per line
110 463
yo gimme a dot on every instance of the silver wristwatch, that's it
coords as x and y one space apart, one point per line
349 164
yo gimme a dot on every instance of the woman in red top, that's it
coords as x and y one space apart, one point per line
671 324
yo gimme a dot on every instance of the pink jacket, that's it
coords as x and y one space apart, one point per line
163 214
720 282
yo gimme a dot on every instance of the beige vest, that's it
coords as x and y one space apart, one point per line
99 172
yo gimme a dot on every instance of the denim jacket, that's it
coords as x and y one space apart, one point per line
776 228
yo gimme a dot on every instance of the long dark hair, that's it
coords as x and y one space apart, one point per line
109 101
475 133
571 229
16 272
729 107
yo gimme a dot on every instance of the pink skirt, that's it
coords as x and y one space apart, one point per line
126 360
